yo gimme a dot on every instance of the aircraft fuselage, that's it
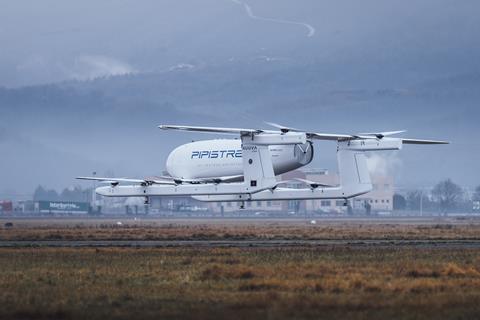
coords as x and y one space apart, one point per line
223 157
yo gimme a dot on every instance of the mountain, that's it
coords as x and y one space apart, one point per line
75 127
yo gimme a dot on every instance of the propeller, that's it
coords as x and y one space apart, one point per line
283 129
304 152
381 135
313 184
306 148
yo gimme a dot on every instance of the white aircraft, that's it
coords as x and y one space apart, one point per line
245 169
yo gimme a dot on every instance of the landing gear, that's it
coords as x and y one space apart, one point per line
242 205
146 200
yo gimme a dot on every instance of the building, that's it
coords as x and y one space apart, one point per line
258 207
294 206
166 205
326 205
380 199
183 204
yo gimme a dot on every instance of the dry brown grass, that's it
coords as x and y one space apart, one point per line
221 230
255 283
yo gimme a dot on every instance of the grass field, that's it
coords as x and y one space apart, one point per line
274 283
159 229
324 282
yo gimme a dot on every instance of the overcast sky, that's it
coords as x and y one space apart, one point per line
119 68
53 40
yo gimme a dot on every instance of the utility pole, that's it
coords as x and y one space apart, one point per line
421 202
94 196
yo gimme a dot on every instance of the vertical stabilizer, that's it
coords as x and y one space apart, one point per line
353 168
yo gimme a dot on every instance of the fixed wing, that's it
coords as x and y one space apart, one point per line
246 168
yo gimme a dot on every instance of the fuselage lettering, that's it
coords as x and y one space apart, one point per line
216 154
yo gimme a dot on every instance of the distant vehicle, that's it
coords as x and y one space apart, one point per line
384 213
192 208
245 169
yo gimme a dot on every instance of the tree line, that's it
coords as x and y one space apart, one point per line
446 196
76 194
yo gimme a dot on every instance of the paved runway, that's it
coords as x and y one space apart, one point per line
245 243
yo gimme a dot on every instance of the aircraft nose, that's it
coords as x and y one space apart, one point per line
174 162
102 191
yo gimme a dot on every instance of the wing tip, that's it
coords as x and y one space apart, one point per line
418 141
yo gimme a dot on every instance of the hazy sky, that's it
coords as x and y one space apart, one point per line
53 40
340 66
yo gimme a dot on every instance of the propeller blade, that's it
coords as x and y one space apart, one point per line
282 128
314 184
309 145
299 146
211 129
380 135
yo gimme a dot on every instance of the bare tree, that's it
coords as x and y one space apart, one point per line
476 195
419 198
447 194
399 202
42 194
413 200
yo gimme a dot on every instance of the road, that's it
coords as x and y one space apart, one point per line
245 243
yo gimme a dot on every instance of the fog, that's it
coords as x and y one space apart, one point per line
84 85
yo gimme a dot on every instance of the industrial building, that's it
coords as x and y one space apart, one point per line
380 199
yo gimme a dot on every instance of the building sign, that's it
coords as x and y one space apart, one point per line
62 207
